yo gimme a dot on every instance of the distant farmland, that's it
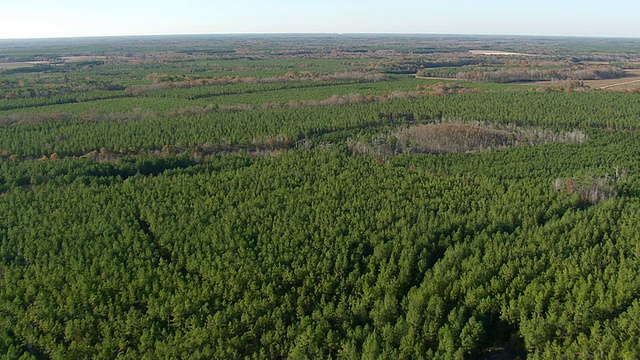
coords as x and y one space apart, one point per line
630 81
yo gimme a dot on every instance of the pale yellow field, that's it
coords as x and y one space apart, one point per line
66 59
12 65
496 52
80 58
19 64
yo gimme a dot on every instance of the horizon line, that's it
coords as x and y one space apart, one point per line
321 34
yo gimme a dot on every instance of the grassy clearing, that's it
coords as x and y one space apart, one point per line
19 64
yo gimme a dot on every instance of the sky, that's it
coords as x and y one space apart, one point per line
77 18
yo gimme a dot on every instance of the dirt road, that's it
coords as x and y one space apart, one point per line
619 84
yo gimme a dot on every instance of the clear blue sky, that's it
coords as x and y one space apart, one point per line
63 18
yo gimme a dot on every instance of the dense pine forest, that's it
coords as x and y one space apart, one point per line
320 197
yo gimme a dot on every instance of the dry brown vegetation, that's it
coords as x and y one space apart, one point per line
451 137
163 81
591 189
91 115
527 74
464 137
509 69
443 88
457 137
334 100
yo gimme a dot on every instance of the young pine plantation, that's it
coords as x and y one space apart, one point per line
326 197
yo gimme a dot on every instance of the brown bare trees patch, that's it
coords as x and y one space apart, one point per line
451 137
164 81
591 189
459 137
500 74
464 137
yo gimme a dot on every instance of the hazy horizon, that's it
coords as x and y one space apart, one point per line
318 34
39 19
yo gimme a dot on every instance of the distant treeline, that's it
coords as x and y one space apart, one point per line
507 75
410 67
159 84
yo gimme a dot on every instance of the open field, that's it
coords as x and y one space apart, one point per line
14 65
631 80
631 84
8 65
497 53
20 64
82 58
